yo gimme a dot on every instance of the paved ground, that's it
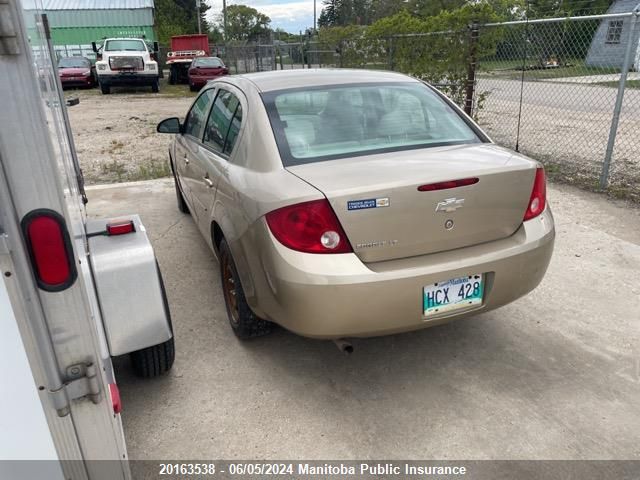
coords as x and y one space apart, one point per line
554 375
567 126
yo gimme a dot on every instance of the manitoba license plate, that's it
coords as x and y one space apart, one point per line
451 295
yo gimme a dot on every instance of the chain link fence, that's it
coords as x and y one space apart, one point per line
565 91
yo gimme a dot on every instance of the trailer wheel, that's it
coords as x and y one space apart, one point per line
106 89
244 323
155 86
155 360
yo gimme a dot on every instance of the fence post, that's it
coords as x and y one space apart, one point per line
626 64
471 68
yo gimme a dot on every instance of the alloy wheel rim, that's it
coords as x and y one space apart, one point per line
230 292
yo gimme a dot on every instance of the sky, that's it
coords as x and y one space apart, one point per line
290 15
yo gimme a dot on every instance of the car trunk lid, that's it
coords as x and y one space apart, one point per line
385 216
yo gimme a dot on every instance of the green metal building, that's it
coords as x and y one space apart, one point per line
74 24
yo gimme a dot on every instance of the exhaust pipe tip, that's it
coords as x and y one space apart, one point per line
344 346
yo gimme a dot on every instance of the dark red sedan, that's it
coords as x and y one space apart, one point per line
76 72
204 69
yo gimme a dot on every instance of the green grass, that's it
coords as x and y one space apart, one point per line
512 69
635 84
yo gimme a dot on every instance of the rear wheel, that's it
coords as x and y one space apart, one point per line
192 87
155 86
173 76
244 323
106 89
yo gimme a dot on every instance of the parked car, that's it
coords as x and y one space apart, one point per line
204 69
348 203
76 72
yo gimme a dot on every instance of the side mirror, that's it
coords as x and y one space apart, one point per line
169 125
94 47
156 47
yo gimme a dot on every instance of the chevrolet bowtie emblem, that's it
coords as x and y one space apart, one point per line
450 205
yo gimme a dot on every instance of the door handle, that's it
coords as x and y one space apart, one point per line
208 182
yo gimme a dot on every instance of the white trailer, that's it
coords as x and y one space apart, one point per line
73 292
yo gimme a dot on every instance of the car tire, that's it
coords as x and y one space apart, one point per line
244 323
155 86
173 76
182 203
106 89
192 88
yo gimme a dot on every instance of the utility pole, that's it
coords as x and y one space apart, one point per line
198 12
224 20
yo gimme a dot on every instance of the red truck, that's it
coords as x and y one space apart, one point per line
184 48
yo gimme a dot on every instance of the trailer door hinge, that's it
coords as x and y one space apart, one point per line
82 382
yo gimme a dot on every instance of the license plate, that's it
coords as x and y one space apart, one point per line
451 295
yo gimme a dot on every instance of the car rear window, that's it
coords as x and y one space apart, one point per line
339 121
208 62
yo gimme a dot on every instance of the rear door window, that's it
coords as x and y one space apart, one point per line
197 116
223 125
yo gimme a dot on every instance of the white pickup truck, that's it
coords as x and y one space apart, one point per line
126 62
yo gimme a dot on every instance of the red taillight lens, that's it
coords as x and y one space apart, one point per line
448 184
538 199
310 227
120 227
115 398
50 249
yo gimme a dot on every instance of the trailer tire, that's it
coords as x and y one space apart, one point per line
244 323
106 89
155 360
158 359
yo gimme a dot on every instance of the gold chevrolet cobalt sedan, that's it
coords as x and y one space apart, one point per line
349 203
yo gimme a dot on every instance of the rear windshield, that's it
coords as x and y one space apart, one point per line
126 45
208 62
338 121
77 62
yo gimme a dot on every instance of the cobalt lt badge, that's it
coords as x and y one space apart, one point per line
448 224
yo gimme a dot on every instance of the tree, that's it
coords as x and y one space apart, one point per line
178 17
245 23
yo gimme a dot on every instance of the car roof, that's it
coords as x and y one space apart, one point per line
285 79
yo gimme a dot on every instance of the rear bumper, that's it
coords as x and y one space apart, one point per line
332 296
124 79
200 81
77 82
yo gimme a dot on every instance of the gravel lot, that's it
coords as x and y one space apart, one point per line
115 134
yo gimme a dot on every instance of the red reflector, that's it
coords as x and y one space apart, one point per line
49 249
120 228
448 184
115 398
310 227
538 199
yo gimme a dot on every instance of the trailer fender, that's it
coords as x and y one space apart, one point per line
128 286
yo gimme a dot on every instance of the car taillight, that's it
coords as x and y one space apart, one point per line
50 250
310 227
538 199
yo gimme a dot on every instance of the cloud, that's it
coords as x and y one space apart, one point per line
291 16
